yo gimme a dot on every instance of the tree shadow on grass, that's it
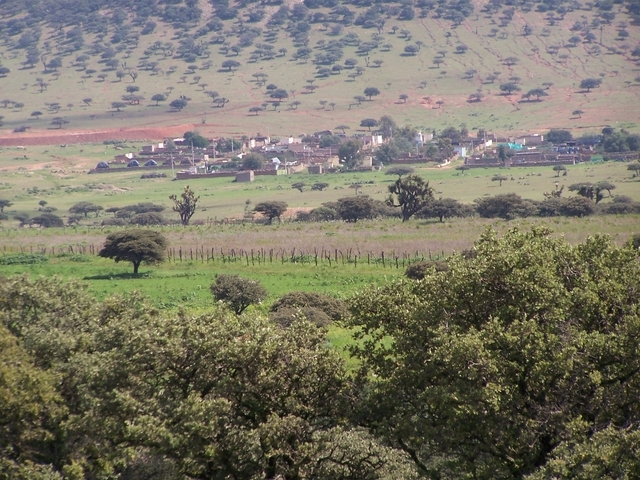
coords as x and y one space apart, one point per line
119 276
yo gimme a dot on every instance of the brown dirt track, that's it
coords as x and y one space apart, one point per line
55 137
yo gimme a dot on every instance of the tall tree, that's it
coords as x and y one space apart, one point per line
469 366
271 210
185 205
411 194
135 246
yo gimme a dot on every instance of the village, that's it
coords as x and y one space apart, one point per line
304 154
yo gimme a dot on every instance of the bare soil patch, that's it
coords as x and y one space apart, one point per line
70 137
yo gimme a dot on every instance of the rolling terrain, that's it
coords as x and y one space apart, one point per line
100 73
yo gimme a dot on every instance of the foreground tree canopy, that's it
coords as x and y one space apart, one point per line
518 360
509 361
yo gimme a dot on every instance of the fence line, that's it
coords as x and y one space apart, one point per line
262 256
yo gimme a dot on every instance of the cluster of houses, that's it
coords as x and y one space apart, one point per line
293 155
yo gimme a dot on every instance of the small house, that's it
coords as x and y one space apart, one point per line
246 176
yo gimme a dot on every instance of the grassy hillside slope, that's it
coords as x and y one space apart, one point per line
537 47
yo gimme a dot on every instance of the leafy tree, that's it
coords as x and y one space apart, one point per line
411 194
195 139
509 88
535 92
509 61
369 122
592 191
252 161
320 186
299 186
343 128
237 292
589 83
558 136
178 104
185 205
400 171
36 114
85 208
5 203
158 97
578 113
271 210
634 167
371 92
507 206
445 208
461 397
230 65
350 153
48 220
135 246
352 209
499 178
59 122
558 169
118 105
31 409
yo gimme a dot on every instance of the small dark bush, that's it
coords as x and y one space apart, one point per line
332 307
418 270
286 316
149 218
114 222
23 259
153 175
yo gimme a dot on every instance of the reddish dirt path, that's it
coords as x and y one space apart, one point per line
55 137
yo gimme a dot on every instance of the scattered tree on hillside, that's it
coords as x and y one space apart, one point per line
59 122
369 123
509 88
299 186
589 83
158 97
178 104
371 92
135 246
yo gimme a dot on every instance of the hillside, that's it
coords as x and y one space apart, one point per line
288 68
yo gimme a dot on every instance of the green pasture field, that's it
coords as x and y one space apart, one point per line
398 74
59 176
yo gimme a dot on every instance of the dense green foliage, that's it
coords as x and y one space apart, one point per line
517 360
506 360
